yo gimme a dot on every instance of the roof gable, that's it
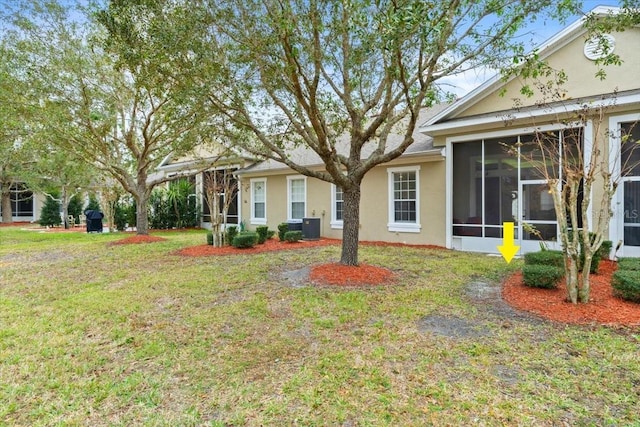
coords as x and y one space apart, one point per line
555 47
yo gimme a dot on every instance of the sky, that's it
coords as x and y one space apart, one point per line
536 34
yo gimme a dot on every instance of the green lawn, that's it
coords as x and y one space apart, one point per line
92 334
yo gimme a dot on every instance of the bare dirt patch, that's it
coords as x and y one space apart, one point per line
603 308
137 239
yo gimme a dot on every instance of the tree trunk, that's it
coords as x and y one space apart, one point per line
64 199
7 211
572 282
351 225
142 214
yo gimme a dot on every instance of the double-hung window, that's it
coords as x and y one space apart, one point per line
404 201
297 197
337 206
259 201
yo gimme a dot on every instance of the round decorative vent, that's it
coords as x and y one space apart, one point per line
598 47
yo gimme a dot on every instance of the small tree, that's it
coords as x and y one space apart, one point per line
50 214
220 189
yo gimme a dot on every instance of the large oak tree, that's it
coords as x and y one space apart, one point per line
306 72
113 87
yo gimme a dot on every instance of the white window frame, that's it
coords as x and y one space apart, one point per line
616 223
335 222
403 227
254 219
290 179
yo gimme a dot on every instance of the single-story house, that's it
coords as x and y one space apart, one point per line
462 185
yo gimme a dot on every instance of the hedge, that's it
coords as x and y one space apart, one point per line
550 258
293 236
542 276
263 232
282 229
629 264
626 285
245 239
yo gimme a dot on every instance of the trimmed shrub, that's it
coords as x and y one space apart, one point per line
293 236
231 232
263 232
270 234
605 249
626 285
74 207
282 229
542 276
50 213
550 258
93 204
245 239
209 238
629 264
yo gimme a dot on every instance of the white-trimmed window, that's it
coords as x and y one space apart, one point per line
259 201
404 199
296 196
337 206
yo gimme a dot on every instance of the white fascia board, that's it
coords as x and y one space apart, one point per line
461 125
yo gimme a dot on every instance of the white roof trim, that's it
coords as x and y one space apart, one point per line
548 47
464 123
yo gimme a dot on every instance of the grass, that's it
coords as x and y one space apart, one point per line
92 334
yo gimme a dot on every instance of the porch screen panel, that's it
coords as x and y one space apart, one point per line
630 165
500 182
21 200
467 189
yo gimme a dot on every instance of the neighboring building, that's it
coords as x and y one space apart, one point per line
25 205
223 171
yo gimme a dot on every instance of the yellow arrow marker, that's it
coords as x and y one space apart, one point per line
508 249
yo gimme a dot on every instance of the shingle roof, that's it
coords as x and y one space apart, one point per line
305 156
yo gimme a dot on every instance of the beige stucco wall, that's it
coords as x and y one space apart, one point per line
374 207
581 75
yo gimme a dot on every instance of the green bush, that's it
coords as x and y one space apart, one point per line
93 204
629 264
74 208
263 233
270 234
245 239
605 249
209 238
50 213
293 236
231 232
626 285
542 276
282 229
602 253
551 258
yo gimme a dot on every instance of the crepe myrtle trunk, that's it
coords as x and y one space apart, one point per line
351 225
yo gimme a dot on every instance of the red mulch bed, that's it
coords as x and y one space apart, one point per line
137 239
336 274
270 245
14 224
603 307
